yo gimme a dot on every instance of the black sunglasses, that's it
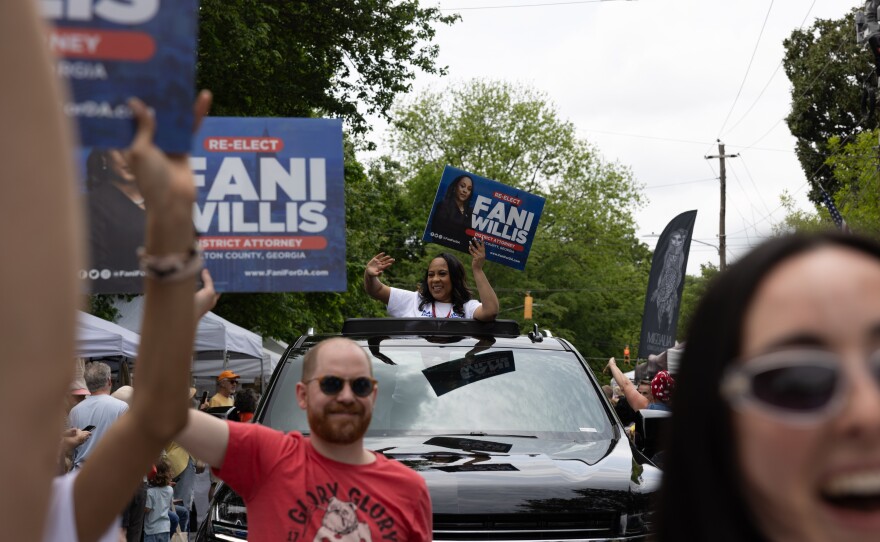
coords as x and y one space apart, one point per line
361 386
795 386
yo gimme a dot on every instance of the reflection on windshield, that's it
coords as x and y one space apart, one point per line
548 391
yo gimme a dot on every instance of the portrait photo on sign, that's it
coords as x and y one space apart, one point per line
469 206
116 222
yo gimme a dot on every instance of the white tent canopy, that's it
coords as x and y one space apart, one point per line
272 352
96 337
219 344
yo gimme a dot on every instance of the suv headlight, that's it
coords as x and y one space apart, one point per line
228 520
636 523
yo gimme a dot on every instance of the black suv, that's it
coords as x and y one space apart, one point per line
512 433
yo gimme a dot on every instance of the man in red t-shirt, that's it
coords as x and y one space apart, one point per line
326 486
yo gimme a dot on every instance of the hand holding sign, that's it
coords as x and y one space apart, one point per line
162 179
206 296
477 249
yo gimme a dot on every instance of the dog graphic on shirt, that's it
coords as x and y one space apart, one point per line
340 524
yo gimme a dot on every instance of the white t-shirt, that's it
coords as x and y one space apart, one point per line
405 304
60 525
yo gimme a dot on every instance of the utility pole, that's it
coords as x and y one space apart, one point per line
722 237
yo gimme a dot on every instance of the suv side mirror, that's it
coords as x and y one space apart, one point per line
651 429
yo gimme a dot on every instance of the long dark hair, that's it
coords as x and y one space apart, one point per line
461 294
246 400
701 497
450 199
162 477
98 168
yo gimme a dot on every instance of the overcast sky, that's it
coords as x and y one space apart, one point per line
650 83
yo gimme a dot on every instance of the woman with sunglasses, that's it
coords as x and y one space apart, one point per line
776 432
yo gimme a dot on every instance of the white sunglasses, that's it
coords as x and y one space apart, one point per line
795 386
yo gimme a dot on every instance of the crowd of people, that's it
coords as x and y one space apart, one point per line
776 406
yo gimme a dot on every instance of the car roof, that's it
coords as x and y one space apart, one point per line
408 332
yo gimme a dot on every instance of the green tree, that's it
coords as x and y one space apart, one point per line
587 271
694 288
341 58
826 68
796 219
371 203
855 166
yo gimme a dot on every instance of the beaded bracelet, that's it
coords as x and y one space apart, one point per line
171 267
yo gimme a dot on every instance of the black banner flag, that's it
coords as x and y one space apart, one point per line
665 285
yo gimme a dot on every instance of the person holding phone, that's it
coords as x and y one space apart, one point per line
443 291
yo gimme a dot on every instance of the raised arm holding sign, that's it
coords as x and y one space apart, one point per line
443 291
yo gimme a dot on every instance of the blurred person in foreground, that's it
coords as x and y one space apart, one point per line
776 430
86 504
40 288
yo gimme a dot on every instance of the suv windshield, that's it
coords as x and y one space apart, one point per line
433 390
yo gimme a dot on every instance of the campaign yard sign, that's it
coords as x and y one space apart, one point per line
468 206
270 209
112 50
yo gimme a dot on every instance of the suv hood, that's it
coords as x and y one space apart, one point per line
502 475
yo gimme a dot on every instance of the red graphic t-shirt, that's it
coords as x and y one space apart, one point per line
295 494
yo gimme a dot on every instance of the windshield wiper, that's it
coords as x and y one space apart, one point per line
484 434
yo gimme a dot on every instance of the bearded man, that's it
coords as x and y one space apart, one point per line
326 485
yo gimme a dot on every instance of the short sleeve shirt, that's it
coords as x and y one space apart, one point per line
159 502
405 304
218 400
292 492
99 410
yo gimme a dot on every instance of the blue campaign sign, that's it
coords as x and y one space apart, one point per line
112 50
270 210
468 206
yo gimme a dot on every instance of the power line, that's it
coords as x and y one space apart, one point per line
810 178
772 76
542 4
688 141
769 149
752 59
755 142
771 213
760 94
831 58
746 194
681 183
754 184
640 136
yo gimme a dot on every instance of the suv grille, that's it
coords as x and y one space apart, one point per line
525 526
